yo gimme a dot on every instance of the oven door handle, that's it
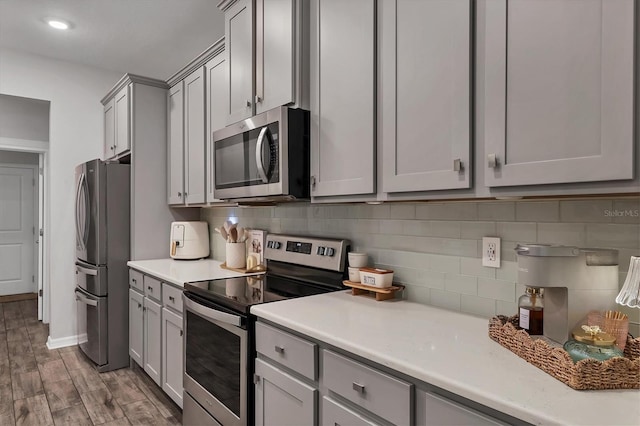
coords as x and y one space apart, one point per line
211 314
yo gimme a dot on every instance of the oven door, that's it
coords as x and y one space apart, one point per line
248 157
215 370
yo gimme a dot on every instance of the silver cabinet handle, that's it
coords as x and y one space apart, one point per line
279 349
261 171
248 104
181 333
458 166
149 288
258 99
492 161
133 280
172 299
313 182
358 387
86 271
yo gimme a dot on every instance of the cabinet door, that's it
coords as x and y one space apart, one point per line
136 327
558 91
123 122
172 351
175 161
109 130
281 399
432 409
152 339
342 97
194 131
275 53
334 413
217 99
425 94
239 50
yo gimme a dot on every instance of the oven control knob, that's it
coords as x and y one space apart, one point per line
277 245
320 251
269 244
330 251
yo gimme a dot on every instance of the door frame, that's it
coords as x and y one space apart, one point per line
43 216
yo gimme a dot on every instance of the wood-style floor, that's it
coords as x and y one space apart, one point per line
39 386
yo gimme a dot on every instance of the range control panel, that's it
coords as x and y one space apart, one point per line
308 251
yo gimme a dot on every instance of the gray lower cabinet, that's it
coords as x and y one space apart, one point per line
152 340
172 351
136 321
436 410
342 88
377 392
281 399
558 90
156 331
334 413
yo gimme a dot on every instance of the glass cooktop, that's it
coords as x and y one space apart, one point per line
239 294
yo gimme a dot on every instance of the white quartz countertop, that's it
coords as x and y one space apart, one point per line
452 351
179 272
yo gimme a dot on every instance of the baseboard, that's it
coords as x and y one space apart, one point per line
62 342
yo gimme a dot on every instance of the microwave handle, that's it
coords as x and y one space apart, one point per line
261 170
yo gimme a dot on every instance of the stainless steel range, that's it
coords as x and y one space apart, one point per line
220 331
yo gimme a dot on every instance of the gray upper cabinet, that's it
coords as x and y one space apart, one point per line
186 147
558 91
239 51
217 99
275 62
109 130
266 54
342 78
194 137
117 132
175 132
424 107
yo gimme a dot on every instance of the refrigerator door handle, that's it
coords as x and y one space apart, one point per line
78 189
87 211
82 298
86 271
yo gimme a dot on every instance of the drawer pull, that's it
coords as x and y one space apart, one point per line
279 349
149 288
358 387
132 279
172 299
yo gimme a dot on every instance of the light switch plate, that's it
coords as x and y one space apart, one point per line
491 252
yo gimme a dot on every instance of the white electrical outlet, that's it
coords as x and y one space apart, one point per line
491 252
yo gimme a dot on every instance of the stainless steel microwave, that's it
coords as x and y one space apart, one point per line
263 158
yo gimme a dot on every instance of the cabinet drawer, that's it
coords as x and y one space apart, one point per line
334 413
290 351
377 392
172 297
135 280
152 288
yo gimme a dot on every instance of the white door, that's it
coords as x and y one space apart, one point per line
17 230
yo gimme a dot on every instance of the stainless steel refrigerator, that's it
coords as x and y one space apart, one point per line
102 250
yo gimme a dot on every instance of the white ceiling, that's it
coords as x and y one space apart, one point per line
153 38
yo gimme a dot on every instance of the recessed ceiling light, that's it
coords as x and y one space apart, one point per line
58 24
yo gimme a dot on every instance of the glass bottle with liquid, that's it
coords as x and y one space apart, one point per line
531 311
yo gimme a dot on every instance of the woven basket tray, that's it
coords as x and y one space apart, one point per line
615 373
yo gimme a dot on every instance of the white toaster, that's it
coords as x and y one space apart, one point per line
189 240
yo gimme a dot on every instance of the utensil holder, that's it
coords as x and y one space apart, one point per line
236 255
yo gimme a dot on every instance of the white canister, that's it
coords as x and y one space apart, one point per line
236 255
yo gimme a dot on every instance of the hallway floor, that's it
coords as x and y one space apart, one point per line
39 386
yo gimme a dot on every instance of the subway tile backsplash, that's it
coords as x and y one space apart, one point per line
435 247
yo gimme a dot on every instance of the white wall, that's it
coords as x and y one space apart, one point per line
24 118
75 136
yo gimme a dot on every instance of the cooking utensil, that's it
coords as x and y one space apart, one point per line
224 234
233 234
240 236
